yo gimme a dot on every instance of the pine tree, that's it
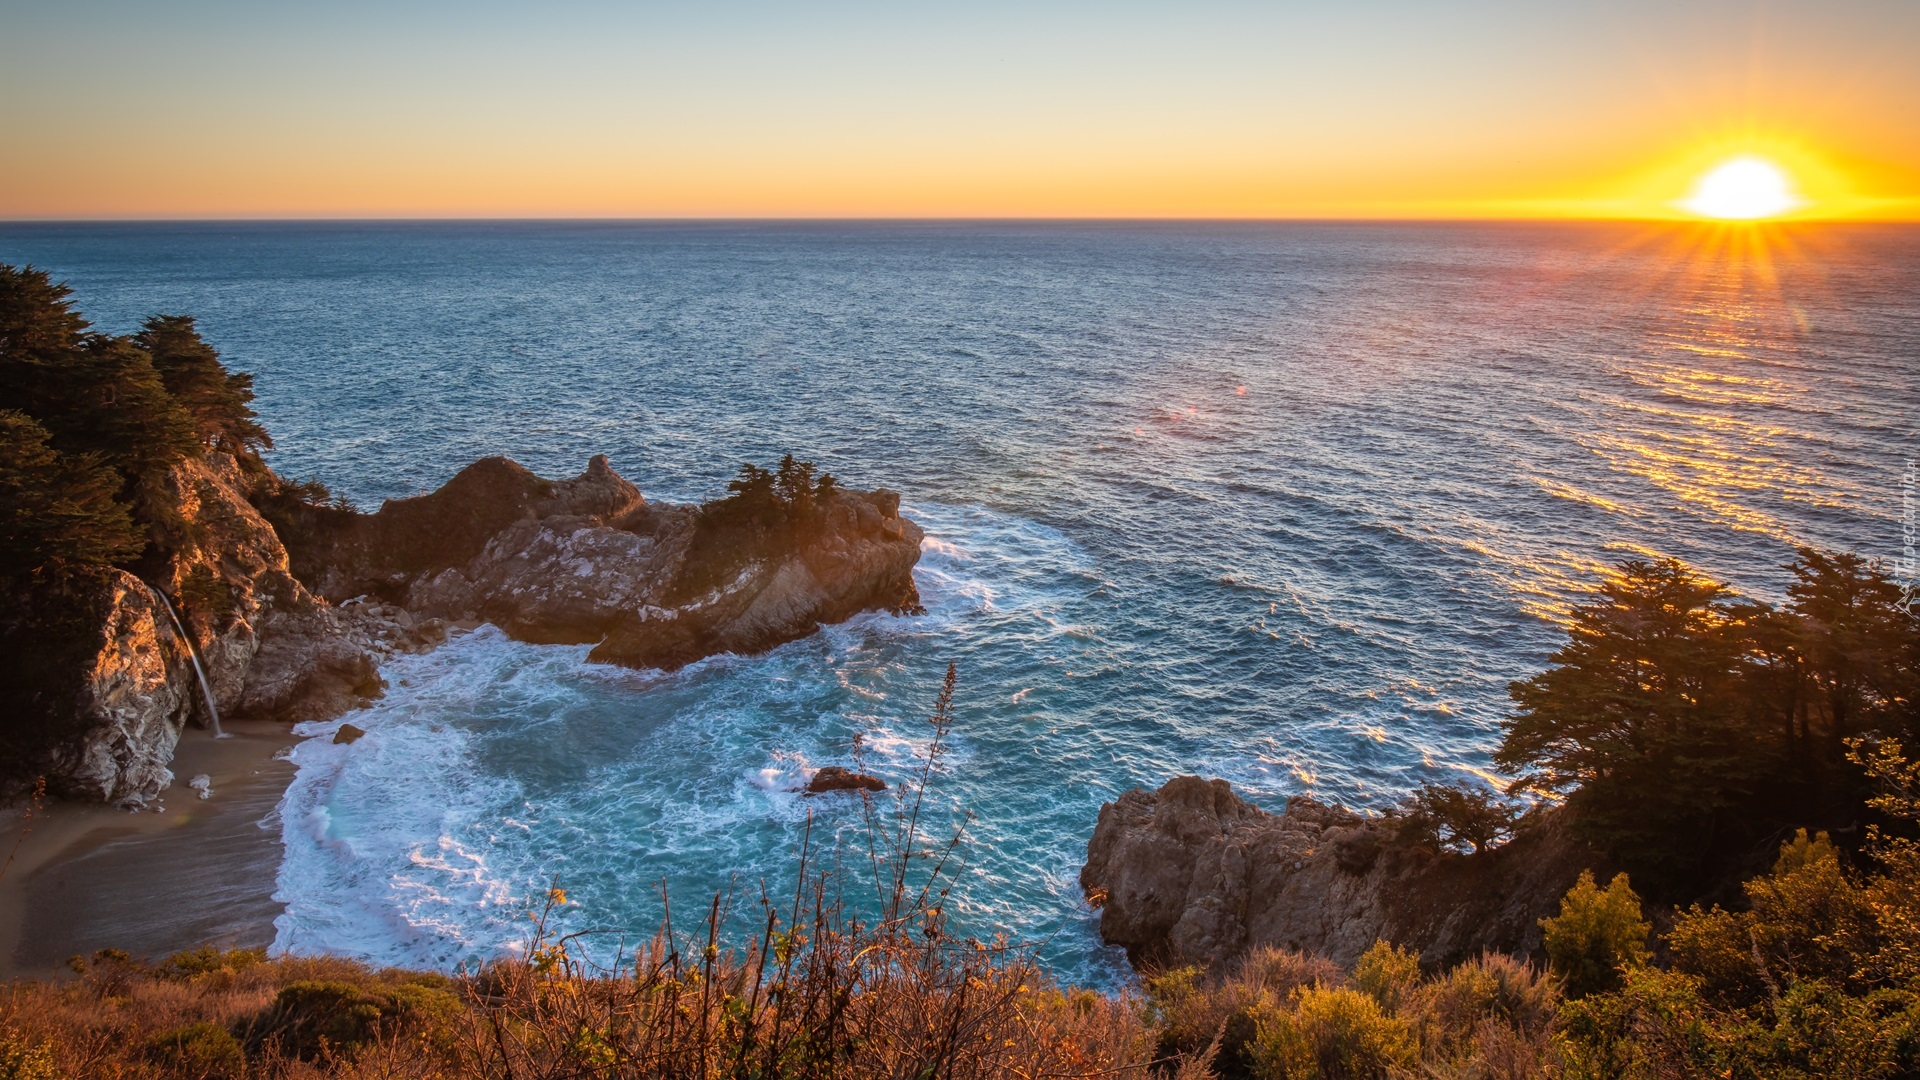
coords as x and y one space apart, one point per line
94 394
216 399
1644 719
56 510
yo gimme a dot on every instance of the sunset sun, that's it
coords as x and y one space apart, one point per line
1743 189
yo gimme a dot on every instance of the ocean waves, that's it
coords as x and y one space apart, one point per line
1288 504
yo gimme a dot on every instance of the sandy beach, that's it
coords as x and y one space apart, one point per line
195 872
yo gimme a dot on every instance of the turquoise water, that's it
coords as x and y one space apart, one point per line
1288 504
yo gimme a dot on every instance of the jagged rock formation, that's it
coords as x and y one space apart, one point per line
590 560
270 649
1192 874
837 778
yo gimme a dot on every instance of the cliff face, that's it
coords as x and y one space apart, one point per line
131 696
1192 874
115 684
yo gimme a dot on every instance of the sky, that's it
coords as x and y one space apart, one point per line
1359 109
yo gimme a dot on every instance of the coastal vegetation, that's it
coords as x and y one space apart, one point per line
91 426
1691 731
764 511
1807 969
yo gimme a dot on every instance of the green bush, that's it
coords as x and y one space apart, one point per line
202 1051
21 1059
1330 1034
1598 933
208 960
1388 974
311 1017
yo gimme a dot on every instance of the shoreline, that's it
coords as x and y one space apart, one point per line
197 872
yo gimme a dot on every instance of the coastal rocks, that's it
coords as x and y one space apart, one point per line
834 778
272 650
293 606
133 687
861 558
589 560
342 554
348 734
100 670
1192 874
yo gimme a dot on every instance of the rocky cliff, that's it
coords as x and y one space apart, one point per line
300 636
589 560
113 682
1193 874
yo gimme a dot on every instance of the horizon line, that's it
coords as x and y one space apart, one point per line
401 219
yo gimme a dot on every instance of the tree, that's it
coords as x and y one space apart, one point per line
1853 650
1643 718
216 399
1454 816
94 394
55 509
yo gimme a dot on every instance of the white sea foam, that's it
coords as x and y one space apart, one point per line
493 767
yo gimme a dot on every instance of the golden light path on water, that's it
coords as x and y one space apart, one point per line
1719 352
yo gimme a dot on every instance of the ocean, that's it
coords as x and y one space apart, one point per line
1288 504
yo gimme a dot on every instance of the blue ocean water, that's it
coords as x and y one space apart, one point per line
1284 503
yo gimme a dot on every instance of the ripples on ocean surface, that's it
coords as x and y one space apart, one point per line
1288 504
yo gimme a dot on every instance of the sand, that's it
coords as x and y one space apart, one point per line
199 872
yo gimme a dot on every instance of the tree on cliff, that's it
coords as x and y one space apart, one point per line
94 394
218 400
56 510
1692 730
1641 717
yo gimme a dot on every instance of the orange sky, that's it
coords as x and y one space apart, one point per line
122 109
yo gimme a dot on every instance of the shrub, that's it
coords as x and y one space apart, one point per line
1598 933
1194 1011
1387 974
203 1051
24 1059
1330 1033
196 963
1487 1017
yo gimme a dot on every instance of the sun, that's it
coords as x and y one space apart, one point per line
1743 189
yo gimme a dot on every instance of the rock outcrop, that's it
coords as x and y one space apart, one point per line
132 695
835 778
589 560
1193 874
271 649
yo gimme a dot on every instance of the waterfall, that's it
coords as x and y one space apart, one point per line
193 653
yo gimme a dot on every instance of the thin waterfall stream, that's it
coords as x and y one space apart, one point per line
193 653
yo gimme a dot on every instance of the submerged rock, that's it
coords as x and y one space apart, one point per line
835 778
1192 874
